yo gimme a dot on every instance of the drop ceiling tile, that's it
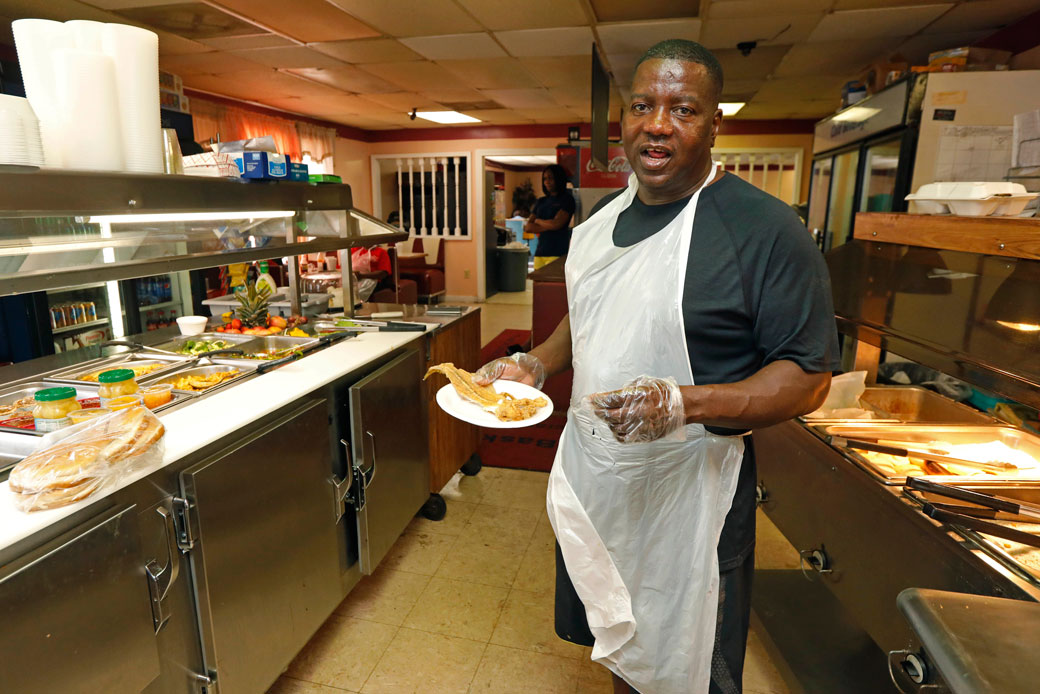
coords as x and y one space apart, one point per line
797 108
782 30
560 71
834 56
455 46
304 20
623 66
917 48
626 10
124 4
453 95
249 84
636 37
418 75
808 87
191 21
864 24
403 102
737 90
572 97
499 15
498 115
492 73
238 43
547 42
873 4
348 78
520 98
760 64
171 44
364 122
330 104
213 63
982 15
291 57
411 17
559 114
743 9
362 51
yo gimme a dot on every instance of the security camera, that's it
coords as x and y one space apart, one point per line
745 47
412 114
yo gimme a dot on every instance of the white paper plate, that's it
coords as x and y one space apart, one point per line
471 412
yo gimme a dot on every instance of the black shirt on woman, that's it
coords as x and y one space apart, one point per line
554 243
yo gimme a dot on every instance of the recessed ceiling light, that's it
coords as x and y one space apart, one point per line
446 117
730 108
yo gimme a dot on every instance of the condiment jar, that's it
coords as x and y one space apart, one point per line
53 406
116 383
157 395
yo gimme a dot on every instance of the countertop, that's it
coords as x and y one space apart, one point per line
190 428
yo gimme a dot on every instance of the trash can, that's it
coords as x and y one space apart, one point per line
512 269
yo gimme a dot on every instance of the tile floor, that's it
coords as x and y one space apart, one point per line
465 605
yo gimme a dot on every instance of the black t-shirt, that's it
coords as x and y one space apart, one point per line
554 243
756 291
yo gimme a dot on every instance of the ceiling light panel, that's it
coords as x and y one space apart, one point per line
411 17
626 10
731 108
982 15
864 24
777 30
446 117
303 20
364 51
348 78
498 115
493 73
559 41
500 15
417 76
292 57
636 37
455 46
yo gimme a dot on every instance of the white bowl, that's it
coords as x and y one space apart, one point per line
192 325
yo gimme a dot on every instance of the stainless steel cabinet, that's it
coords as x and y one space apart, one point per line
265 560
75 613
391 458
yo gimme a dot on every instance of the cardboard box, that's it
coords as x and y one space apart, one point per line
967 58
173 101
298 172
171 82
263 165
881 74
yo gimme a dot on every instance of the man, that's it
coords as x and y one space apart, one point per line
699 309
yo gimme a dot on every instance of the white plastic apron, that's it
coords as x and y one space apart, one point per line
639 524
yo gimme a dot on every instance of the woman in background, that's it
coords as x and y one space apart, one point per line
551 219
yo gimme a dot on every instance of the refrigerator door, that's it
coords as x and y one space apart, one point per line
842 202
819 192
880 175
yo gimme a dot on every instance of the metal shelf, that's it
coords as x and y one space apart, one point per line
157 307
80 326
65 290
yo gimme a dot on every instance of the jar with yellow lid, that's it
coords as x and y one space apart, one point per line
115 384
52 408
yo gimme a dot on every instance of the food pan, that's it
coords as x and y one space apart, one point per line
14 447
910 404
75 374
178 342
923 436
266 347
244 371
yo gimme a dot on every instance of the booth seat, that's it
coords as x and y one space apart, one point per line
427 272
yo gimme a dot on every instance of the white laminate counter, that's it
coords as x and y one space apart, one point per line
199 424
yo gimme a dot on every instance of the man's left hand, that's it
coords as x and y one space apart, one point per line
645 409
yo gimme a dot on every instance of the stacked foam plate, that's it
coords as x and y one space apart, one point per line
20 143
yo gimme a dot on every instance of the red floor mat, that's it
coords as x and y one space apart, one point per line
530 448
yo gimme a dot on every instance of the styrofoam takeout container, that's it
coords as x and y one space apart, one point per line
971 199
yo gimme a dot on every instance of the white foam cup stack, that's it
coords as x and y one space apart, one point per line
37 42
135 54
92 133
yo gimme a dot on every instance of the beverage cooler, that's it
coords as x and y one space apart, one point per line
863 159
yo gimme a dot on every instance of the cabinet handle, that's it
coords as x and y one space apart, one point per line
160 578
342 487
815 559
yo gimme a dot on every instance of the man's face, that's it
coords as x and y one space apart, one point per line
669 128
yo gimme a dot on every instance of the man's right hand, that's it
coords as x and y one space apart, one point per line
520 367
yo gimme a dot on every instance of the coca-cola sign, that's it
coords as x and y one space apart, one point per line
616 175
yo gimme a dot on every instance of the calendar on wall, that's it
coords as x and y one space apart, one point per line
974 153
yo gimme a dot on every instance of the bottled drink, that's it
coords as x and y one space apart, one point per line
167 289
161 322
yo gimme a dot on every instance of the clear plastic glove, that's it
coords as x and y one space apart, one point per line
645 409
520 367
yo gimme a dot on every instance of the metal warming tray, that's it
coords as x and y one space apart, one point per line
264 343
923 434
908 404
178 342
11 394
74 374
245 371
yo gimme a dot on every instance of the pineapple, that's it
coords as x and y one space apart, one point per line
253 309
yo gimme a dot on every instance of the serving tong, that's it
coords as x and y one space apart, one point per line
929 454
984 506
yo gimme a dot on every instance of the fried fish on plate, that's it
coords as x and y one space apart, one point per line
502 405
